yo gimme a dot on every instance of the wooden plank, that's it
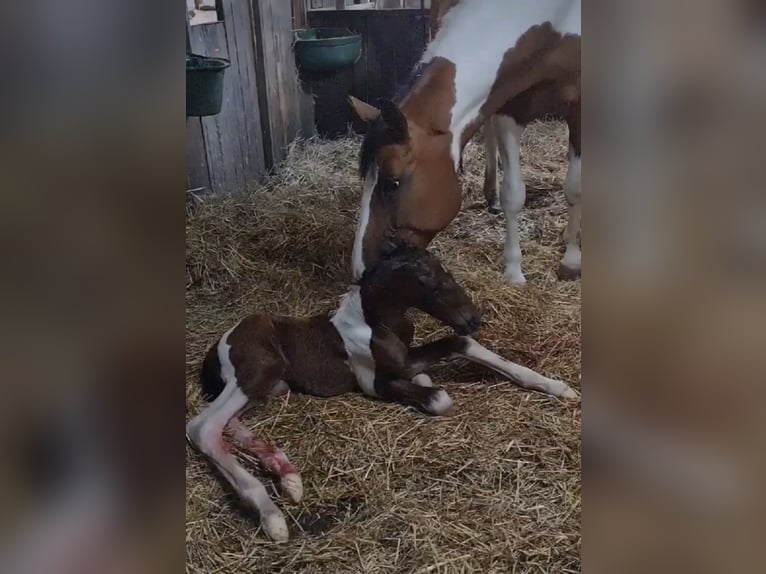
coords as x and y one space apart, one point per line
278 84
210 40
197 174
245 110
299 14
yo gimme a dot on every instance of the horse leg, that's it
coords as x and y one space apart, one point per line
467 348
205 432
570 267
512 193
490 169
394 377
429 399
271 457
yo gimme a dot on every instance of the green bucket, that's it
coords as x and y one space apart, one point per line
204 84
324 50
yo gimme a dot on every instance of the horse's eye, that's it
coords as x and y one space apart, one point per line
395 183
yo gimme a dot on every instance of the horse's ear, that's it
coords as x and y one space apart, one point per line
363 110
393 117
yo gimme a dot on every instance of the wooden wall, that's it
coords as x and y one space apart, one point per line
392 43
263 107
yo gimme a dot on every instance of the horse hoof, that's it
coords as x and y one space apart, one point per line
439 404
275 527
293 486
516 279
567 273
494 209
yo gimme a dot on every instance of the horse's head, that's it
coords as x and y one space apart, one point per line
407 276
411 189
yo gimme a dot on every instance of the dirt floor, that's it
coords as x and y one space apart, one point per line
495 486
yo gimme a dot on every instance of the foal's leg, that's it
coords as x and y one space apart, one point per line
490 168
431 400
394 379
205 431
512 193
466 347
271 457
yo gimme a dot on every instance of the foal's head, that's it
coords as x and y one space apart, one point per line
411 190
407 276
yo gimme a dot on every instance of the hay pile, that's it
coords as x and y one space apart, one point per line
495 487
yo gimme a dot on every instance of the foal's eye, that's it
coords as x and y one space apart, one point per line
395 183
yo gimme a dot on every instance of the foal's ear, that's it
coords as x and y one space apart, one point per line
363 110
393 117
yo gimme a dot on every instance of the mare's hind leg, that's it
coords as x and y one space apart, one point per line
512 193
271 457
490 169
205 432
570 267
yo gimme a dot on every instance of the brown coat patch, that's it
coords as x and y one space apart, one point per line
539 75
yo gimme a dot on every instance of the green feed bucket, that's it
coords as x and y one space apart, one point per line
204 84
325 50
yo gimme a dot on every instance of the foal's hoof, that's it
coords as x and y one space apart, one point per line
494 208
439 403
567 273
275 527
293 486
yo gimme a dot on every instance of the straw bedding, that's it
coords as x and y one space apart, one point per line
495 486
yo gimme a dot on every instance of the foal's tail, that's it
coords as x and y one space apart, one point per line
210 376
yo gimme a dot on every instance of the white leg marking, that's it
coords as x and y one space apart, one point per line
490 171
512 193
522 376
422 380
205 431
573 192
357 261
439 404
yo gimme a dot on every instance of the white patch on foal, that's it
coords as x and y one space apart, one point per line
499 24
440 403
349 321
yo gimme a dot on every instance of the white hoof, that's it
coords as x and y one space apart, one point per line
515 277
440 403
559 389
293 486
275 526
422 380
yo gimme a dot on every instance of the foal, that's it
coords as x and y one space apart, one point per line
363 345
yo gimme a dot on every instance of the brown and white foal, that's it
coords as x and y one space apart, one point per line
363 345
500 63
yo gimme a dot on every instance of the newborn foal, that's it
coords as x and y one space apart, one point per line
364 344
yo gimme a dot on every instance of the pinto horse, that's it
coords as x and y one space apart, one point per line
502 63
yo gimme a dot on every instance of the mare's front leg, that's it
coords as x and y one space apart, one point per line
394 377
512 192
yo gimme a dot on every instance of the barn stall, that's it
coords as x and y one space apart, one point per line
494 486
